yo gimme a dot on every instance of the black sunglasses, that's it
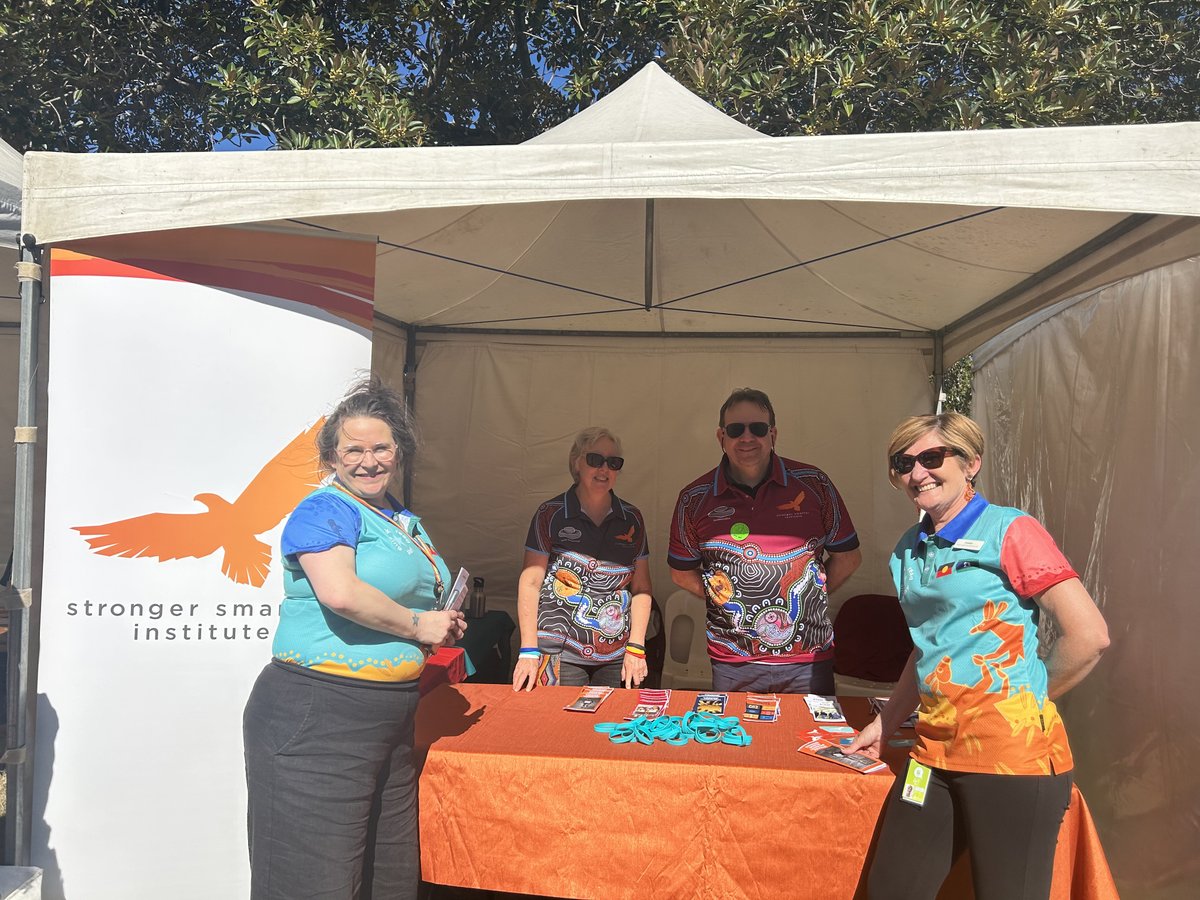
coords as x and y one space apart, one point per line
596 460
932 458
735 429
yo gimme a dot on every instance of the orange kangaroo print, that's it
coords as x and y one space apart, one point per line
1011 649
233 527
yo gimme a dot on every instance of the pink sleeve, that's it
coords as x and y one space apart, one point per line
1031 559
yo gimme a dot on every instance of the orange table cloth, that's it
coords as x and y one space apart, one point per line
519 795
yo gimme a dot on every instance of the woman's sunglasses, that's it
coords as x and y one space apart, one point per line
932 458
596 460
735 429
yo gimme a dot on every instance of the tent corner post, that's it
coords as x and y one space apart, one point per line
410 399
17 756
939 369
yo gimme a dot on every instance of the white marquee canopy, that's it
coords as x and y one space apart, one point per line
653 213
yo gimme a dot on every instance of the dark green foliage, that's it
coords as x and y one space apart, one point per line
958 386
175 74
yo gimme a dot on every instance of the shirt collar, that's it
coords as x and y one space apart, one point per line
775 472
954 530
573 510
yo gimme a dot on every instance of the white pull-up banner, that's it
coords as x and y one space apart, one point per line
189 372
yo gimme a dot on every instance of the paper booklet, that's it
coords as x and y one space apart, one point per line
761 708
824 709
458 591
651 704
711 702
589 699
859 762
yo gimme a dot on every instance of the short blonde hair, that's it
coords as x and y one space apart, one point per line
589 437
961 433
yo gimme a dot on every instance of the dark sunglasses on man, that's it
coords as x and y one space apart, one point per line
596 460
735 429
930 459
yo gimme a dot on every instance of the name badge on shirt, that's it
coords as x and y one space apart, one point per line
964 544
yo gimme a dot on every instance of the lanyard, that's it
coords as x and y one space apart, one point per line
425 548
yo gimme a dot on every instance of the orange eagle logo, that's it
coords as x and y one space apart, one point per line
627 537
233 527
794 505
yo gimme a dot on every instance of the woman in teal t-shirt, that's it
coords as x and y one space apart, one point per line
329 725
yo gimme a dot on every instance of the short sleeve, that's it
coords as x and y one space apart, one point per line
683 551
320 521
840 536
644 548
1030 558
538 538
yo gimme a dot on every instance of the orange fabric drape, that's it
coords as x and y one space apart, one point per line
519 795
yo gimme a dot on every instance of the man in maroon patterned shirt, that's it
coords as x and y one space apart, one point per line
764 540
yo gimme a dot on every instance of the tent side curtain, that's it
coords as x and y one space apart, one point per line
1160 241
1091 424
498 418
1146 168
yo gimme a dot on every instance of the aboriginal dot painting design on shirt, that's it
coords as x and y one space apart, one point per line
583 605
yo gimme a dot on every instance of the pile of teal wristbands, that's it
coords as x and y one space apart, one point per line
702 728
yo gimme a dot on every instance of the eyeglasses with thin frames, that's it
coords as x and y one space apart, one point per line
352 456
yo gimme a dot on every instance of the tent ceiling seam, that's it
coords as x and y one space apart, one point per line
1081 252
834 255
484 266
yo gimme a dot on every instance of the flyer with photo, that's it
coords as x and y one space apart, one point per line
824 709
589 699
651 704
859 762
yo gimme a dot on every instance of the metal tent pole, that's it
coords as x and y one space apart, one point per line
19 597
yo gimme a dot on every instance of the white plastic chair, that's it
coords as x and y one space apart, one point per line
686 665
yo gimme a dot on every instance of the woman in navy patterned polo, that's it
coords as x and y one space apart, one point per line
583 600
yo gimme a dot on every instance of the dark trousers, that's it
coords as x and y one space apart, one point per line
608 674
765 678
1008 823
331 788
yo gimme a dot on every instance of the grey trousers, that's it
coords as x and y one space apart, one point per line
331 788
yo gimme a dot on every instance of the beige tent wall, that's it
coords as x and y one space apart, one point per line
1092 426
498 416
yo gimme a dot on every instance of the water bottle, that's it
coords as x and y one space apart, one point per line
478 605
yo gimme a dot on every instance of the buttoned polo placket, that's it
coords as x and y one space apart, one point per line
941 541
597 534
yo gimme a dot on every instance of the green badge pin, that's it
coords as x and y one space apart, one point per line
740 531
